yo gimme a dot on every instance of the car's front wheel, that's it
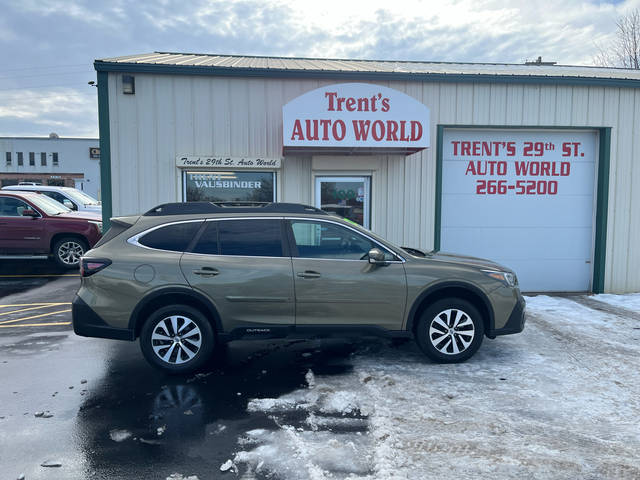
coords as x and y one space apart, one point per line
450 330
68 250
177 339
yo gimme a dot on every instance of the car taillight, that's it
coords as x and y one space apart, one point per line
89 266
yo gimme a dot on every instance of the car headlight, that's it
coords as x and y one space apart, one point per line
97 224
506 277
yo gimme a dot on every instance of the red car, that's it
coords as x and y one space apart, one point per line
34 225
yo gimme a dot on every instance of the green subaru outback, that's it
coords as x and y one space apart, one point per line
185 277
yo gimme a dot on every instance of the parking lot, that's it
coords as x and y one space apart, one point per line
559 400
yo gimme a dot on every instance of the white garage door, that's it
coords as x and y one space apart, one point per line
524 198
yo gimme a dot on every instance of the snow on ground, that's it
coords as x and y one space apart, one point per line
630 301
560 401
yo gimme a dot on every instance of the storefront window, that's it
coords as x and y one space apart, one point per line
229 186
346 196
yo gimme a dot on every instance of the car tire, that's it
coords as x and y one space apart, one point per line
177 339
450 330
68 250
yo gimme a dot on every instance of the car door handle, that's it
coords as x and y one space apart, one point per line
308 274
207 272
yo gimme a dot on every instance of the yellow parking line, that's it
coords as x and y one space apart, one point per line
51 275
48 304
26 309
35 324
34 316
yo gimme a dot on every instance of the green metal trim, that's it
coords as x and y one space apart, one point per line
522 127
602 193
602 206
102 66
438 206
105 149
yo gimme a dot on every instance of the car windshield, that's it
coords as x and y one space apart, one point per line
48 205
81 197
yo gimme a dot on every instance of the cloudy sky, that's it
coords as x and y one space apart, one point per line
47 47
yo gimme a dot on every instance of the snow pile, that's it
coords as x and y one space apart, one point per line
300 455
558 401
630 301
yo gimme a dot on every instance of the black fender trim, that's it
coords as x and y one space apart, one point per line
452 284
88 323
211 312
516 321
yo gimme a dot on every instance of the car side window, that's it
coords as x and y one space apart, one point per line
208 242
175 238
58 197
252 238
12 207
328 240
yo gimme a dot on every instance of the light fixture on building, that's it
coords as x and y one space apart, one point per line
128 84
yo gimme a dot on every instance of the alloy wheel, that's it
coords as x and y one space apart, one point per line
451 331
70 252
176 339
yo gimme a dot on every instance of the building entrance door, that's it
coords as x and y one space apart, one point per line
349 197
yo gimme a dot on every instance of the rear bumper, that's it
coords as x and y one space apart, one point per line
516 321
88 323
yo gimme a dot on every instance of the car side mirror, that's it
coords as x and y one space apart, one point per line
376 257
69 204
30 213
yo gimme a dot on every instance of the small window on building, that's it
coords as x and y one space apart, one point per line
8 159
20 159
32 159
55 159
229 186
56 182
250 238
175 238
43 159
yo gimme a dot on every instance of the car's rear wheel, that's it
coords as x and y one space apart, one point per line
177 339
68 250
450 330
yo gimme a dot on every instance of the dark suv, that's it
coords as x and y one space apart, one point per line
34 226
183 277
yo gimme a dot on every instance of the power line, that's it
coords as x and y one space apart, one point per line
44 86
44 68
45 74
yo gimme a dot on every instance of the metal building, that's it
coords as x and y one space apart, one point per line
68 162
530 165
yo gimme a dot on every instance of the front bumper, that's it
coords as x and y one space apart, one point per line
88 323
516 321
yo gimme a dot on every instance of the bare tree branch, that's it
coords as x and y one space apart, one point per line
625 49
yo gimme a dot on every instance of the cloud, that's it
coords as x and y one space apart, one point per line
68 112
37 37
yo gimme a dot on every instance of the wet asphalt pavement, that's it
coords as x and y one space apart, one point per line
98 410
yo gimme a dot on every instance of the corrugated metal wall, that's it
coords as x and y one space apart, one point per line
171 115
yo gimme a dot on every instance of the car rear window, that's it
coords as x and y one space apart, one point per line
175 237
251 238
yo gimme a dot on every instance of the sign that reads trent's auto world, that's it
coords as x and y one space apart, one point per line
356 115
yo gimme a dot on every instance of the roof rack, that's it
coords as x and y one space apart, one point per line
192 208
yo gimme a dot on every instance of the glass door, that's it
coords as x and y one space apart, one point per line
349 197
